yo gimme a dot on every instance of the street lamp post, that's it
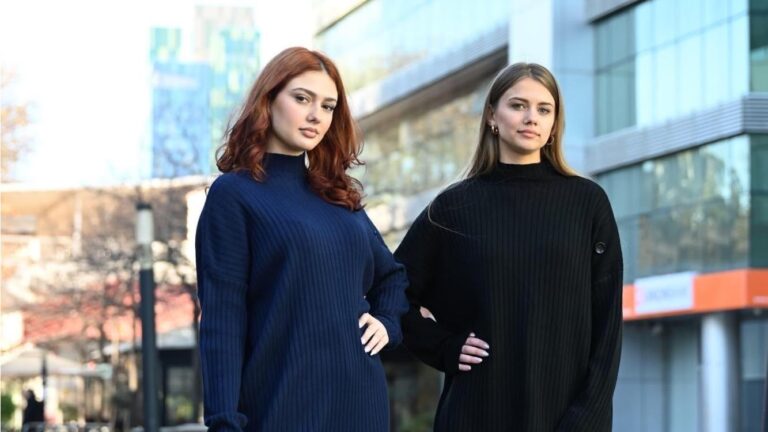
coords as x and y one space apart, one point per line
144 238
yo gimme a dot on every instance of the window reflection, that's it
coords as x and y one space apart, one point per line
422 150
687 211
666 58
384 36
758 44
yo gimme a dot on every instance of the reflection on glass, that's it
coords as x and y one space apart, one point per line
422 150
758 45
683 212
661 59
383 36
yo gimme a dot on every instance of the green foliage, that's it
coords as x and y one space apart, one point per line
69 412
7 408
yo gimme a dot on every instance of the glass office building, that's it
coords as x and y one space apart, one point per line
200 76
666 107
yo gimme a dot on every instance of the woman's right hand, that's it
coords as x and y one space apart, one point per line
472 352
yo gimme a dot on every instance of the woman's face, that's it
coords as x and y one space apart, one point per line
525 116
301 113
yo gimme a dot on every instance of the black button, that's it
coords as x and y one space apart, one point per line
600 248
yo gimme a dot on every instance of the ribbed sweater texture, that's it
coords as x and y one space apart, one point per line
530 261
283 277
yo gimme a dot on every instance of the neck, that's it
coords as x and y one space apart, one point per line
541 170
274 145
509 157
279 165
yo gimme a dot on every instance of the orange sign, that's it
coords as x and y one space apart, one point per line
729 290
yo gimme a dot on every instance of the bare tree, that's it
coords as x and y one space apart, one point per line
14 118
96 282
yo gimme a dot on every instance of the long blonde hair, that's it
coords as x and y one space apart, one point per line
487 152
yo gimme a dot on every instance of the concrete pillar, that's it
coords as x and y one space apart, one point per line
719 372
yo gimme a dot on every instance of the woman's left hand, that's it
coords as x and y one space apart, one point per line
375 337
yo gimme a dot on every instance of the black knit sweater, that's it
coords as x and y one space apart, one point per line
530 261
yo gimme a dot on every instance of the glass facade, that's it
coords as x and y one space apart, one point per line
658 374
383 36
422 150
689 211
181 130
758 224
754 358
758 44
228 41
200 78
666 58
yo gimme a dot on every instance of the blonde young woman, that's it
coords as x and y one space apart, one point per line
516 276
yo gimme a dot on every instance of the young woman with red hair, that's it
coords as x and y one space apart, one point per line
297 289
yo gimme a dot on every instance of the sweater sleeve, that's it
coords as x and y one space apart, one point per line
592 409
387 295
425 338
223 261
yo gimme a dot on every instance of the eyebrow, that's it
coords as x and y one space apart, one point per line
527 101
313 94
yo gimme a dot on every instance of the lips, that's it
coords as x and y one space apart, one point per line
309 132
528 133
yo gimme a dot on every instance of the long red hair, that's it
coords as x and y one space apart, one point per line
245 141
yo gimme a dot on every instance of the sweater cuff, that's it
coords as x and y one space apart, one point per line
451 352
394 333
226 422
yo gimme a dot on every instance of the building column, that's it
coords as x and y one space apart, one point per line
719 372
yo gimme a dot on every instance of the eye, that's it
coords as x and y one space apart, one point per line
301 98
544 111
329 108
517 106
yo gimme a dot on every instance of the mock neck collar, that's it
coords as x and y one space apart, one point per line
279 165
534 171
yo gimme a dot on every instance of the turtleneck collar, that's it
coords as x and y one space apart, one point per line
536 171
279 165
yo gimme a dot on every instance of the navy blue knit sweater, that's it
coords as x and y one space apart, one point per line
283 277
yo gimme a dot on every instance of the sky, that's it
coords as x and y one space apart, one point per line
83 69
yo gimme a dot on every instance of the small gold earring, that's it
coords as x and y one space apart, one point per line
494 129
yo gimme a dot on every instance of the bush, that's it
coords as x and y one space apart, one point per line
7 408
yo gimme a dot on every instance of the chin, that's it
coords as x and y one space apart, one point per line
526 149
310 147
304 145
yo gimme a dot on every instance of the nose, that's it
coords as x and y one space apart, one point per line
531 117
312 114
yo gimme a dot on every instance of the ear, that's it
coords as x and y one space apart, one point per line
490 115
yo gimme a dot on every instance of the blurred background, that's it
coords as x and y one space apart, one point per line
106 105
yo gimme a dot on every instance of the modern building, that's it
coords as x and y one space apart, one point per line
227 40
666 107
200 74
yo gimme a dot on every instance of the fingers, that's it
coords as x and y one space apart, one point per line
370 331
472 352
383 341
476 342
470 360
426 313
363 319
375 337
